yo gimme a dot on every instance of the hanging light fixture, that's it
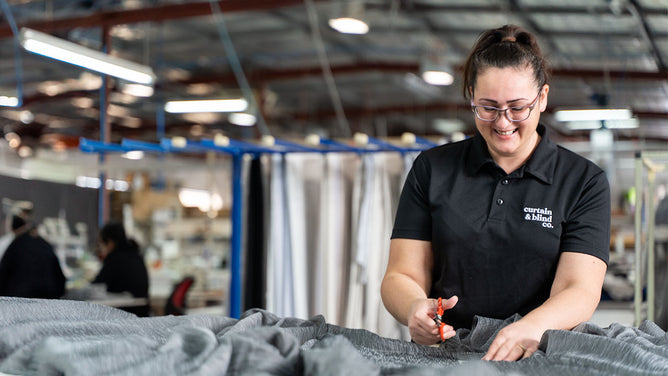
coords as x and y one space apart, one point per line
593 114
243 119
72 53
595 118
209 105
434 69
9 101
438 74
352 19
137 90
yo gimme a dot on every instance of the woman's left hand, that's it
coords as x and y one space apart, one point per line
515 341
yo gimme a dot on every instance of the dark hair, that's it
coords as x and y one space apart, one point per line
507 46
18 222
115 232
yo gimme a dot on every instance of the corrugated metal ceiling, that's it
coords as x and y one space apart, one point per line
617 49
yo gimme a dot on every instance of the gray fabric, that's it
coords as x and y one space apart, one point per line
54 337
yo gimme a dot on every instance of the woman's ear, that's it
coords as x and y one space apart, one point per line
543 97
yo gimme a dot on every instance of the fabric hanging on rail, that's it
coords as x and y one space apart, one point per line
329 222
380 223
243 201
333 250
273 282
370 237
307 171
311 179
388 326
254 255
355 299
303 177
317 277
280 298
266 161
296 228
374 202
396 167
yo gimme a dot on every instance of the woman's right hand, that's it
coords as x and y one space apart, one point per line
421 324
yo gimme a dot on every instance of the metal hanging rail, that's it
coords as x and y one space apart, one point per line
237 149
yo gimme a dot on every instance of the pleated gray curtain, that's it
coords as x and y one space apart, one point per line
328 222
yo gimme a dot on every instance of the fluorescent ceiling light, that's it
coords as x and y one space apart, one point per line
593 114
203 200
118 185
9 101
348 25
212 105
88 182
111 184
597 124
72 53
435 70
134 155
437 77
137 90
243 119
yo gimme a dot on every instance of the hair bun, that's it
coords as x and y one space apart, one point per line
508 39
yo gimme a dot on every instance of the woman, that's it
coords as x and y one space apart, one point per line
504 222
123 268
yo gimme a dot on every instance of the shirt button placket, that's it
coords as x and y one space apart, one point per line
496 211
504 181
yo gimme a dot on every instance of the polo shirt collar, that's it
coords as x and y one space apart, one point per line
479 154
541 164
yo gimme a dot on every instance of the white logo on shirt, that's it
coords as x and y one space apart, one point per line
542 215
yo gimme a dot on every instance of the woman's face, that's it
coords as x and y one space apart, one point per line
503 88
104 248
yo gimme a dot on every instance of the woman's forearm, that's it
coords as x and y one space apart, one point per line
398 292
565 310
575 293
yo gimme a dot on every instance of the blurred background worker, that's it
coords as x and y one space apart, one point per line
123 268
29 267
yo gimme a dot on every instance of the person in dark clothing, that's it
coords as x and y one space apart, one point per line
29 267
504 222
123 268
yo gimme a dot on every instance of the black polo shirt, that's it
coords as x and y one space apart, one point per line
497 237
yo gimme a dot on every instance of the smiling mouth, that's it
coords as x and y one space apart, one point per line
506 133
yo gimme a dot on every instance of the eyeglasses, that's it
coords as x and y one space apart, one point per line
517 113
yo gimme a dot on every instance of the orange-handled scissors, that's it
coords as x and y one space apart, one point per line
439 317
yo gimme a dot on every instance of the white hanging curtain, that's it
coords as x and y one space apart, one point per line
280 297
331 216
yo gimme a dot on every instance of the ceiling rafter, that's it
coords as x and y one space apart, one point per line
108 18
261 77
364 66
646 33
353 55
